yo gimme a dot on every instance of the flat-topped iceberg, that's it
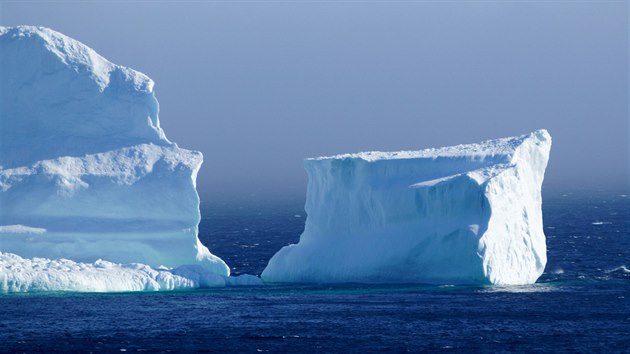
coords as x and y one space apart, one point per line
86 172
467 214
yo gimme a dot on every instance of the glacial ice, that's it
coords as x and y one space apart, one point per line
94 197
19 274
86 173
40 274
467 214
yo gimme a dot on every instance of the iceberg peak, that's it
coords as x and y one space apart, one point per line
56 89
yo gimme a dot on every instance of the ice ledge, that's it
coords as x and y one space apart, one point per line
18 274
504 146
124 166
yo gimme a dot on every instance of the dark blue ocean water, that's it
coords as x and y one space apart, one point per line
580 304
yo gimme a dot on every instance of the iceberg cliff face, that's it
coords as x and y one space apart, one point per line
86 172
467 214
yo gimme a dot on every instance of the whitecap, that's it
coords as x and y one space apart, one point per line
622 269
601 223
20 229
533 288
557 271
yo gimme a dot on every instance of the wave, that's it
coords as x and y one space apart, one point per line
621 269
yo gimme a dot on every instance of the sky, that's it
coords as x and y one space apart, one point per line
259 86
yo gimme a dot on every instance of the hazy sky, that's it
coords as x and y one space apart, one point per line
258 86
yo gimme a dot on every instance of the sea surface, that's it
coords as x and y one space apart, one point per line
580 304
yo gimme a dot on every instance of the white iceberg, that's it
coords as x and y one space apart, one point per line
467 214
86 172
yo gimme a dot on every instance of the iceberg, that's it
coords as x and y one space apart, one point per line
87 174
466 214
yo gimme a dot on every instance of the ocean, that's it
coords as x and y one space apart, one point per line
580 304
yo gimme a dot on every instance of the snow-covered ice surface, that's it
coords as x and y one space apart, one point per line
467 214
86 173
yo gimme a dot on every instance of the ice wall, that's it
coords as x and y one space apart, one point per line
86 172
467 214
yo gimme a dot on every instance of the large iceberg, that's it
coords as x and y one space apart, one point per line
467 214
86 172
